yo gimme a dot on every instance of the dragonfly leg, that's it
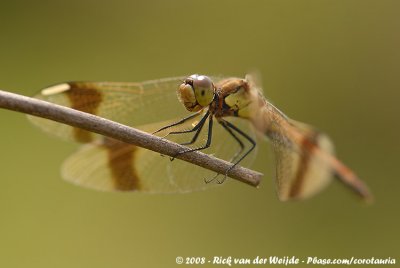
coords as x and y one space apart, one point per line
195 136
183 120
231 128
207 144
214 179
247 137
194 139
223 124
196 127
211 180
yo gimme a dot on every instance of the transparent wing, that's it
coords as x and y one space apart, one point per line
300 171
131 104
302 154
110 165
106 164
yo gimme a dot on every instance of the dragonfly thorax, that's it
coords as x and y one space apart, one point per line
196 92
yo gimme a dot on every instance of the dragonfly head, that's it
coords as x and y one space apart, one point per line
196 92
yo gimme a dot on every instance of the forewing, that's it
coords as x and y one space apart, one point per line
132 104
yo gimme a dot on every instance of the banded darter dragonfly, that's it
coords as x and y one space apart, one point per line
226 115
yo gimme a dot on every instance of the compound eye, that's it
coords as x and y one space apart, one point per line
203 89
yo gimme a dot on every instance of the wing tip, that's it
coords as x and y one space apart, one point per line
56 89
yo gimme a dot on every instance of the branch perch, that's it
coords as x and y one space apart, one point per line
123 133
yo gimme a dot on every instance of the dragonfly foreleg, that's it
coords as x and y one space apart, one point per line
183 120
209 135
196 127
195 136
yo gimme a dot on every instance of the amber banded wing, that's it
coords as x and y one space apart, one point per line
110 165
300 171
304 157
131 104
305 162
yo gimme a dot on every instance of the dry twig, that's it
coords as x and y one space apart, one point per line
123 133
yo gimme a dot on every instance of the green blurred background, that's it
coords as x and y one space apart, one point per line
333 64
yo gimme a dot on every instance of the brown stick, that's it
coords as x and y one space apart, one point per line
123 133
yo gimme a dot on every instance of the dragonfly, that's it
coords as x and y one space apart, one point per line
223 116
